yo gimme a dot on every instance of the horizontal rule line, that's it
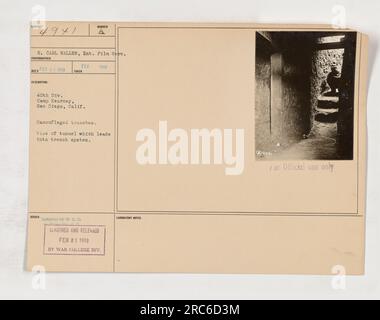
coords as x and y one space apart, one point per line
87 48
195 213
71 73
69 36
284 29
76 60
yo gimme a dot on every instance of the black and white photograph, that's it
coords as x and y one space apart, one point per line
305 95
189 157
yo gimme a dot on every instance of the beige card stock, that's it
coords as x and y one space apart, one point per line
199 148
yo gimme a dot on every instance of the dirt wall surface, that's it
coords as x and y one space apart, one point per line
288 89
296 97
263 95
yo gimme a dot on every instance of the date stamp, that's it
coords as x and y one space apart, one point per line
74 240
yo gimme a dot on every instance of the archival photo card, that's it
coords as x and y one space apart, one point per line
197 148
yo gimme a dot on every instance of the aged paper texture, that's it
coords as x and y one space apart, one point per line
198 148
